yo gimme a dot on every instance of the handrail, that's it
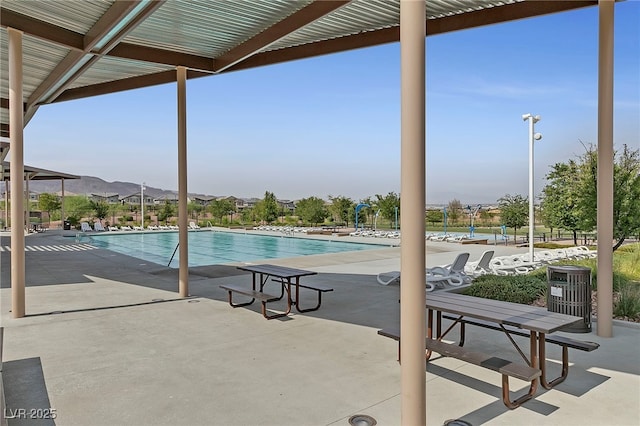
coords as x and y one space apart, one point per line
209 225
174 253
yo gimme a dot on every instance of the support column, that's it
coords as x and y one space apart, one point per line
16 125
182 182
412 211
605 168
27 207
62 202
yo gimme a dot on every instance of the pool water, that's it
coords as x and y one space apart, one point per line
213 248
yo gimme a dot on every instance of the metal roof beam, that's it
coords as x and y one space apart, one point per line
299 19
44 30
463 21
162 56
121 18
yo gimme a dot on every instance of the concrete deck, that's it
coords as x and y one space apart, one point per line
107 341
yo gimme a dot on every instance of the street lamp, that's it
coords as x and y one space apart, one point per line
142 204
532 136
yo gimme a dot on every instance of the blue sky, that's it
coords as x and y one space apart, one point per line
331 125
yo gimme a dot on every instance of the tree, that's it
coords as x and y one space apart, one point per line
220 208
435 216
342 209
311 210
100 208
267 208
167 211
561 197
570 197
514 212
76 207
389 205
454 211
49 203
626 193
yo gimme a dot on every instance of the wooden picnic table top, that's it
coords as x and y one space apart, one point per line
276 271
527 317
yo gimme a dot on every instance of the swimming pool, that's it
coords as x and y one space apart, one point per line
213 248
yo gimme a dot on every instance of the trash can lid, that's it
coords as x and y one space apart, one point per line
568 268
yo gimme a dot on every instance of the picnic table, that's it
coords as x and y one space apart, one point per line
513 319
289 280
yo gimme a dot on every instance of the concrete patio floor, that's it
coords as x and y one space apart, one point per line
107 341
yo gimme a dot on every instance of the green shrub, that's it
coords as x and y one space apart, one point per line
628 304
523 289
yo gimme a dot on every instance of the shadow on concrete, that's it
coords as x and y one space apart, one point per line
27 399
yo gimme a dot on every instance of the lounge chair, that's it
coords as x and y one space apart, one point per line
98 227
85 227
113 228
452 274
193 225
481 266
125 228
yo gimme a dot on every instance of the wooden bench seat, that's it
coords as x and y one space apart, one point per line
504 367
253 294
564 342
553 339
317 287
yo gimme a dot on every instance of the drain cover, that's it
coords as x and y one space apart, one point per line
362 420
457 422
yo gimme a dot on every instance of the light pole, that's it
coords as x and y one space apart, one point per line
532 136
142 205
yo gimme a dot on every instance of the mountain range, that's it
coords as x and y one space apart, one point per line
88 185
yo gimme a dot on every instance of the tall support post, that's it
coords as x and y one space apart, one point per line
16 125
62 200
182 182
531 194
605 168
412 211
27 207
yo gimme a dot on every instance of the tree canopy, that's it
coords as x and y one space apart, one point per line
514 211
311 210
570 197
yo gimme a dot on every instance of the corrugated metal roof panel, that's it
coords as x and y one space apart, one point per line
72 15
41 56
110 69
209 28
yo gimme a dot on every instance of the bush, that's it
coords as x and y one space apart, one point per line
523 289
628 304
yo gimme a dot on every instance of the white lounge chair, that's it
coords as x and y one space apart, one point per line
125 228
481 266
98 227
113 228
452 274
193 225
85 227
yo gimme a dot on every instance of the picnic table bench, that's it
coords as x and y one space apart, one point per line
286 277
510 318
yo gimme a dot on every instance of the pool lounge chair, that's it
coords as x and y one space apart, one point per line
193 225
113 228
481 266
98 227
85 227
452 274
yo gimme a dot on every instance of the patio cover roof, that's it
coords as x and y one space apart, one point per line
33 173
109 46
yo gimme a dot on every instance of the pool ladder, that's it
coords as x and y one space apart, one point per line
174 253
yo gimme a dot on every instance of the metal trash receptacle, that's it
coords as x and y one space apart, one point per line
569 292
66 225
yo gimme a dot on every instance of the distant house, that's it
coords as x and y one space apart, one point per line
203 200
171 199
287 205
246 203
134 199
105 197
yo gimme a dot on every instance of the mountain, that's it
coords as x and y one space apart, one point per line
88 185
